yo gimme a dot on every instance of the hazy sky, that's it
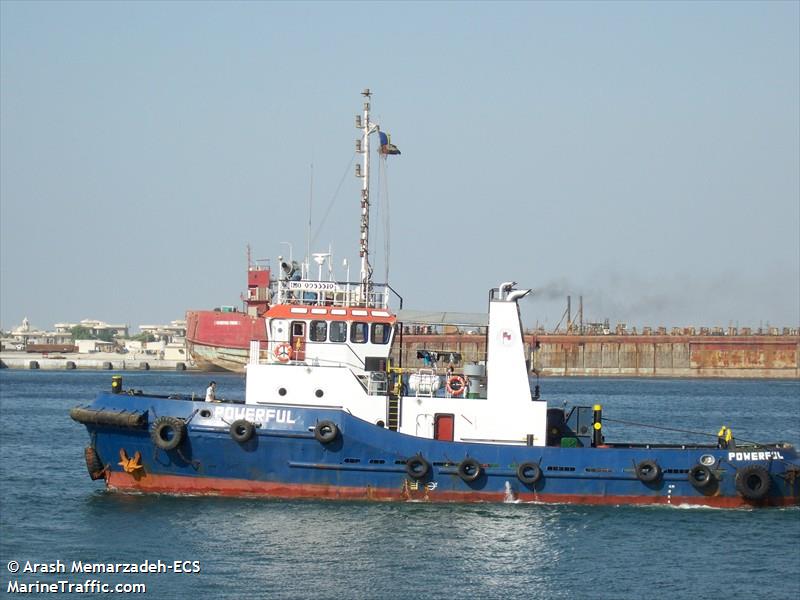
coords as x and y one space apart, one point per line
644 155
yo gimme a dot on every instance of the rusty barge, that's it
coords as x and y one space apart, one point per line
654 355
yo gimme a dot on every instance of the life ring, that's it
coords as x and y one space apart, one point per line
529 473
469 469
456 385
701 477
753 482
283 352
242 430
648 471
168 432
417 467
326 432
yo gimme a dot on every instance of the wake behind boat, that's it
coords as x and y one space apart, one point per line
327 415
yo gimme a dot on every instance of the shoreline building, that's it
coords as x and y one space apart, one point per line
25 334
95 327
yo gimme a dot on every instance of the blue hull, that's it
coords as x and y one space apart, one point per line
285 458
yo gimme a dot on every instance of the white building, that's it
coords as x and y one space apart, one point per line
90 346
24 334
174 332
95 327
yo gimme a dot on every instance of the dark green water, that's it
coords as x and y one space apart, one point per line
50 510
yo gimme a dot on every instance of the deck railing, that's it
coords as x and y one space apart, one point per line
331 293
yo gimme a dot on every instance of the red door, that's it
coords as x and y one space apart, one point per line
443 427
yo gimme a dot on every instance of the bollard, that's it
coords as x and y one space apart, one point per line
597 429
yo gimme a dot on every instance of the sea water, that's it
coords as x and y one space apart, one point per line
51 512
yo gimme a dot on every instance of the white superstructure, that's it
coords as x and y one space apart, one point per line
354 374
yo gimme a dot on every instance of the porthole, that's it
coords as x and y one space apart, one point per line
282 391
205 413
319 393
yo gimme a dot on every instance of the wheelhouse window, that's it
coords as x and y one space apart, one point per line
338 331
318 331
359 332
381 333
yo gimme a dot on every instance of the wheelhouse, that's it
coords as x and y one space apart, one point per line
330 335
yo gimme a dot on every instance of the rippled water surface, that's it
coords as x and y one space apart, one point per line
50 510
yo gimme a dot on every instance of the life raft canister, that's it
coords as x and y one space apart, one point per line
456 385
283 352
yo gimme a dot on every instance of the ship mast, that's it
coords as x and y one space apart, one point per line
362 146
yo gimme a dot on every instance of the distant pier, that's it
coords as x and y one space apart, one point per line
94 362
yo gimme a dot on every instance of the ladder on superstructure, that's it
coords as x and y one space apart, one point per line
393 412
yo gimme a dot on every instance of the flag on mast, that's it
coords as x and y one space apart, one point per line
387 147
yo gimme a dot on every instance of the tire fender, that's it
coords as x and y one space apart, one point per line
529 473
168 432
242 430
326 431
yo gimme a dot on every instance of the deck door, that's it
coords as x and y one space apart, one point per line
443 425
298 340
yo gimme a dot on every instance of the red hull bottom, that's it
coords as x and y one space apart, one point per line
180 485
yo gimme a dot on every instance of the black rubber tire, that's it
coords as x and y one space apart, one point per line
242 430
326 432
417 467
168 432
648 471
469 469
93 463
529 473
753 482
701 477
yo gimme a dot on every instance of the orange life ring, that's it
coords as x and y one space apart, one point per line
283 352
456 385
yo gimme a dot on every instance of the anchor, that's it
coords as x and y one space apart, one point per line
130 465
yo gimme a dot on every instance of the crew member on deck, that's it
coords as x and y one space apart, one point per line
725 438
211 392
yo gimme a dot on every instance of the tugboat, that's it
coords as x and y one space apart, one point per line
326 415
